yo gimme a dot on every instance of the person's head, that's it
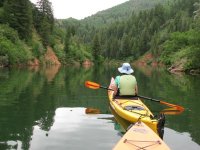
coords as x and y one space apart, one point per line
125 68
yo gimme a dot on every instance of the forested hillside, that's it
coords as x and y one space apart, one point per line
25 31
169 30
171 34
122 12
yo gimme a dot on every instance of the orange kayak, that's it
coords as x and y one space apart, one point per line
140 137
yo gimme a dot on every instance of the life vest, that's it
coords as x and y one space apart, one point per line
127 85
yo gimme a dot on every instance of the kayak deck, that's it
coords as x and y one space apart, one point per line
140 136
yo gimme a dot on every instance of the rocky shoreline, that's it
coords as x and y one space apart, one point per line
177 68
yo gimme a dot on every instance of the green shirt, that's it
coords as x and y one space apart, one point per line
117 81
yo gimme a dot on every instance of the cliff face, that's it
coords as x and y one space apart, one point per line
50 57
147 59
176 68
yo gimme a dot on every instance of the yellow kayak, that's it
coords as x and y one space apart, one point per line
140 136
147 139
133 109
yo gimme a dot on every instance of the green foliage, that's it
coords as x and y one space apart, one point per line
197 10
70 32
37 49
44 21
122 33
182 45
1 15
16 53
11 48
157 40
60 53
78 51
18 15
9 33
170 29
96 49
190 54
193 58
67 42
132 38
4 61
1 2
121 12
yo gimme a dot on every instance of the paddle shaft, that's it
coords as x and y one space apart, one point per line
151 99
94 85
162 102
148 98
103 87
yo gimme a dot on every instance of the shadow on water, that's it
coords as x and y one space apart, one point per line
120 124
30 97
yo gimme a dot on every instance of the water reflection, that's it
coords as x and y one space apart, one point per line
73 129
30 98
51 71
177 140
121 124
182 90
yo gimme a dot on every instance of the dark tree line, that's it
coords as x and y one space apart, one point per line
143 31
19 16
156 29
23 16
44 20
25 30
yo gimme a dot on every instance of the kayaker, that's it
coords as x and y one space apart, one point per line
126 83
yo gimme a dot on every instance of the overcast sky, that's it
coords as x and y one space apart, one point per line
80 9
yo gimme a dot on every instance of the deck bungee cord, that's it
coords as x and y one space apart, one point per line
135 141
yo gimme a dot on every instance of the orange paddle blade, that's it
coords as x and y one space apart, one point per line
172 111
177 107
92 85
92 111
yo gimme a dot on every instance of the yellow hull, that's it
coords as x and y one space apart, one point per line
132 110
140 136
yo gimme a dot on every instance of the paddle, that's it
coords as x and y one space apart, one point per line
92 111
94 85
162 102
171 111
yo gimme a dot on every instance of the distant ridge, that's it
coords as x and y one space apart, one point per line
122 11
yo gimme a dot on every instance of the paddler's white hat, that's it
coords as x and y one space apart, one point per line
126 68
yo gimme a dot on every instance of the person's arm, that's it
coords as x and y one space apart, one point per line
116 84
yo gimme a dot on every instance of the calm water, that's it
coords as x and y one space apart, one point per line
44 108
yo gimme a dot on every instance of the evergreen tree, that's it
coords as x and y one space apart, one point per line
18 15
125 46
1 12
44 20
67 42
45 7
1 2
197 11
96 49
